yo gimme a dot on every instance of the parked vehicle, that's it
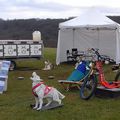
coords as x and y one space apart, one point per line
89 84
20 49
100 57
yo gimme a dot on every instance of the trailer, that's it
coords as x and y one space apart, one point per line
13 50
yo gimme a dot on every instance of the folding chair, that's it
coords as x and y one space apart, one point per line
75 79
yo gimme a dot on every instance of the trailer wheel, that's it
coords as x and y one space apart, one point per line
13 65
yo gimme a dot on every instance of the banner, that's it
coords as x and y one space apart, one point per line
4 68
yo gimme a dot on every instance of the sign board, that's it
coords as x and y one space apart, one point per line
10 50
35 50
23 50
4 68
1 50
20 49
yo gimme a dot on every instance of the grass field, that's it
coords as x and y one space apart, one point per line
15 103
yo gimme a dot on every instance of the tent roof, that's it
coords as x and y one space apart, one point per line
91 18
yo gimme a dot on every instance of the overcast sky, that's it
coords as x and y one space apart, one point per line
23 9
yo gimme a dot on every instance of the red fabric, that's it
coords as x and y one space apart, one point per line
46 91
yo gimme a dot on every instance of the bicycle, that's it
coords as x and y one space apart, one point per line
100 57
90 84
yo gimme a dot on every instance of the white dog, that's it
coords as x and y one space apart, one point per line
48 65
41 91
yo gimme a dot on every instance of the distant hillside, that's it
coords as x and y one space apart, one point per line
115 18
23 29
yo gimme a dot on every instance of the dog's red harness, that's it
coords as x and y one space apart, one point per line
46 91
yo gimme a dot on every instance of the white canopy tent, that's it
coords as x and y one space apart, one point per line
90 30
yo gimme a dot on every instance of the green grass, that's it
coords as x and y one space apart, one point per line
15 103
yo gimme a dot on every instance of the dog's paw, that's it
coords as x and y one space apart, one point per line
38 109
59 102
31 78
34 108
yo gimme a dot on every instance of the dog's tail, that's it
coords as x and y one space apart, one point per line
61 96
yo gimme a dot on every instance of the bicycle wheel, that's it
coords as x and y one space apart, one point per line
117 77
88 87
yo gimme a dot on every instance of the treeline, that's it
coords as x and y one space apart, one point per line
20 29
115 18
23 28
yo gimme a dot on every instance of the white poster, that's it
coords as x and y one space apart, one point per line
4 68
